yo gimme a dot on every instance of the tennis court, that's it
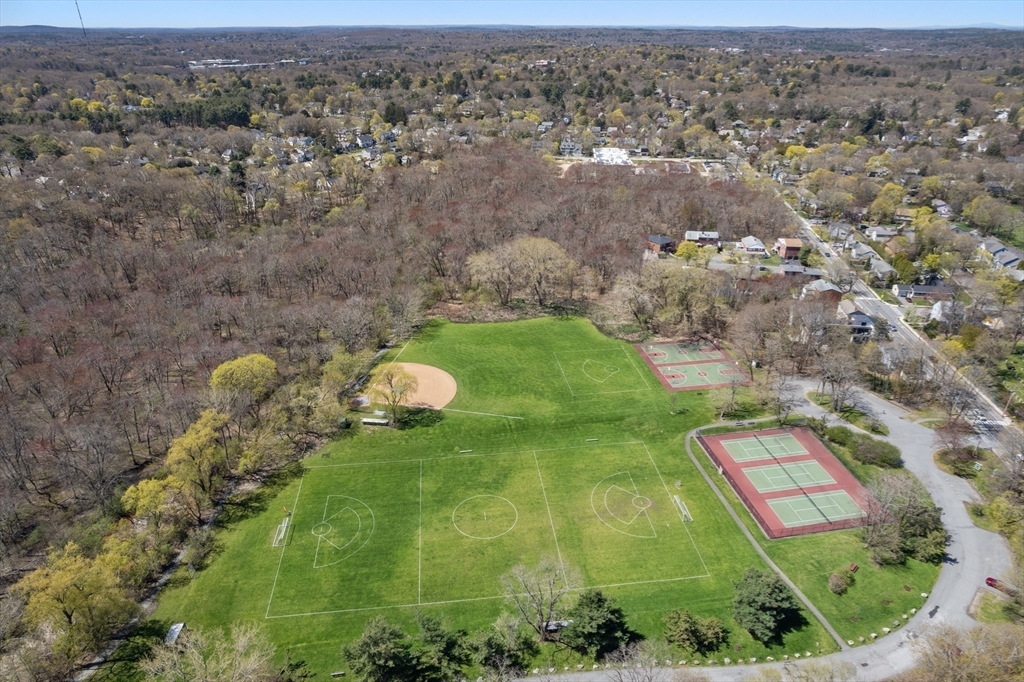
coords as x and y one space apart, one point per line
745 449
804 510
788 480
701 375
788 476
682 352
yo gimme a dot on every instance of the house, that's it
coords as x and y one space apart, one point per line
787 247
840 232
228 155
702 238
908 292
905 214
612 156
996 189
860 250
860 322
364 141
752 244
940 311
659 243
942 208
822 290
880 234
1002 256
797 270
880 270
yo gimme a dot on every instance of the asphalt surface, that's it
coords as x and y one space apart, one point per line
972 555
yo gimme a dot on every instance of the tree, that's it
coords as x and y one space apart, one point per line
598 626
382 654
542 264
699 635
637 662
541 593
688 252
503 649
394 386
243 655
197 460
763 605
442 651
79 599
987 653
255 373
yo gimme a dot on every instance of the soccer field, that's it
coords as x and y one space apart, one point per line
446 529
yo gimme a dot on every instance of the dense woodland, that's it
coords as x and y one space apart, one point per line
156 225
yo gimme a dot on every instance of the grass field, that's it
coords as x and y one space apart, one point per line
398 521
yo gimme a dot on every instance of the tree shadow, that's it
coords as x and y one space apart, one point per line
418 417
123 662
793 621
249 504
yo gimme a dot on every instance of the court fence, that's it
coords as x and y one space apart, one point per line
774 531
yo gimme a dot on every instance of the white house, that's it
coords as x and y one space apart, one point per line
752 244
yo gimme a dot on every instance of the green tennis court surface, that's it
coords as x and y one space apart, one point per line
787 476
765 447
804 510
701 374
675 353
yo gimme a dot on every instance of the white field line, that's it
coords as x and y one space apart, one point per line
395 359
419 551
682 520
295 508
485 414
491 454
563 374
554 534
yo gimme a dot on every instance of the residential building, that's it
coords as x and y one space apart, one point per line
905 214
752 244
659 243
822 290
880 270
702 238
908 292
880 234
942 208
787 247
612 156
797 270
861 324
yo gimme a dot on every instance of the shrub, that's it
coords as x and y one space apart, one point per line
840 582
840 435
868 450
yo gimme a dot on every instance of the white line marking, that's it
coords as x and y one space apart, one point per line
642 377
550 518
563 373
419 553
485 414
395 359
479 537
681 519
491 454
500 596
295 510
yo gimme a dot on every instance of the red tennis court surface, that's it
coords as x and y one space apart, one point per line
690 365
788 480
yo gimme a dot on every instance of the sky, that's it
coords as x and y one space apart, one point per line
238 13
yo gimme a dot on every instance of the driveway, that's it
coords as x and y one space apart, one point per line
973 554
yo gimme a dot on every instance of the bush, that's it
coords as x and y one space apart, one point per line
699 635
868 450
840 435
415 417
840 582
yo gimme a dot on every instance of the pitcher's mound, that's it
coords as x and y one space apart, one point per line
436 387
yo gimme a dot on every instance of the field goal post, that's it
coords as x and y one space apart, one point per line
282 533
682 508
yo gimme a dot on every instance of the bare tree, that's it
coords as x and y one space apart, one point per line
637 662
839 372
988 653
541 594
243 655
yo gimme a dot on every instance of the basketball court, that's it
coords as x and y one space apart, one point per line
690 365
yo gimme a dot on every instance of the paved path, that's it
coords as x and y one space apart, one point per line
973 554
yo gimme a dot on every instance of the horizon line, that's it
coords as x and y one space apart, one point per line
506 26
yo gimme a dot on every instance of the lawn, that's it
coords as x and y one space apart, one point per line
878 596
559 442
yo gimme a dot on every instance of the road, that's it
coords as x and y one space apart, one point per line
905 335
973 555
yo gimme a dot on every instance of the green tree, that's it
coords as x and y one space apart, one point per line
255 373
699 635
688 252
394 386
442 651
79 599
382 654
763 605
504 648
598 626
198 459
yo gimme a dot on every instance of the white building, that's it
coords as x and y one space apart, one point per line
612 156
